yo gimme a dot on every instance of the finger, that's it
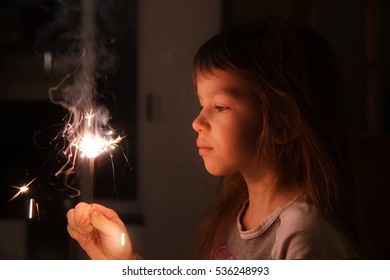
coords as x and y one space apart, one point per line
78 218
72 222
70 216
76 235
71 219
99 221
107 212
81 215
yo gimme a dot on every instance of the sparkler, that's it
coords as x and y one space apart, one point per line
88 135
94 142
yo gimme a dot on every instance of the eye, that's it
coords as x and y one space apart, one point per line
221 108
200 108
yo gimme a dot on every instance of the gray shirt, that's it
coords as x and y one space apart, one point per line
296 230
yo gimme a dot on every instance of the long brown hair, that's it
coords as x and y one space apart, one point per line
296 77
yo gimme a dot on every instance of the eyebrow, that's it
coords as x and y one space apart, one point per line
231 92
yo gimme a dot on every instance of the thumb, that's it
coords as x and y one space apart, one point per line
100 222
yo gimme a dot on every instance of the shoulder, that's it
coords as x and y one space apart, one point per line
304 233
301 215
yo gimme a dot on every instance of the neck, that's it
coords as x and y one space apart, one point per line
264 197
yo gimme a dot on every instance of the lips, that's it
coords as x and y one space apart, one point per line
204 149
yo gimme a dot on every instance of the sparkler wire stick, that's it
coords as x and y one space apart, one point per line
91 176
91 179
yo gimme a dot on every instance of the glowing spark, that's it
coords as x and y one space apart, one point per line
22 189
91 146
88 136
94 141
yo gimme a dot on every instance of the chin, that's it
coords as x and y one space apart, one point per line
217 170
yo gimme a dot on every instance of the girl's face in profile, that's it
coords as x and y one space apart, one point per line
228 124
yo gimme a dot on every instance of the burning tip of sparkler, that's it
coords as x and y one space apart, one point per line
91 146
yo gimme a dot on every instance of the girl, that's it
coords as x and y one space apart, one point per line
269 124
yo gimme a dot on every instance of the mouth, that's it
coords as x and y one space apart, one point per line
204 149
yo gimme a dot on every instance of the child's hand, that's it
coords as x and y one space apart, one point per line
100 232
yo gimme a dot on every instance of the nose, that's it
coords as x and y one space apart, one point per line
199 123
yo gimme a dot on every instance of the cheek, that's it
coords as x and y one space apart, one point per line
243 141
237 147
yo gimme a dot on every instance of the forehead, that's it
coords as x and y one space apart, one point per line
221 82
